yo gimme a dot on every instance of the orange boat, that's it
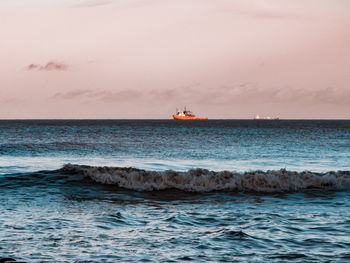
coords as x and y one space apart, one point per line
186 115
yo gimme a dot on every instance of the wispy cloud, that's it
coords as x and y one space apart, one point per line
99 95
72 94
9 100
252 93
262 12
91 3
49 66
276 15
243 93
122 95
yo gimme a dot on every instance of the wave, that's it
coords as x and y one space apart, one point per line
202 180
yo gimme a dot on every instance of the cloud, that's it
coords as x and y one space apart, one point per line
272 15
99 95
122 95
9 100
252 93
259 10
72 94
51 65
243 93
91 3
32 66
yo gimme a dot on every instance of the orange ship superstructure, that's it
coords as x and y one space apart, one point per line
186 115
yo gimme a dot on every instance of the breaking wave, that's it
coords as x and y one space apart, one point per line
202 180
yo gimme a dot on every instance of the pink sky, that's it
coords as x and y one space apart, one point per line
144 58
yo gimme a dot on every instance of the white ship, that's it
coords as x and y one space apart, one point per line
257 117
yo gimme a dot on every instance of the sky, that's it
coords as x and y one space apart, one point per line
142 59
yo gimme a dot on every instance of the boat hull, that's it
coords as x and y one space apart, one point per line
177 117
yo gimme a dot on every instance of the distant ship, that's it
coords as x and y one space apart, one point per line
257 117
186 115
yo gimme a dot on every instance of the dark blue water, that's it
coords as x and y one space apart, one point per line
221 190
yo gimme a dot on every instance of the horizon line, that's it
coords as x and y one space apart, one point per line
143 119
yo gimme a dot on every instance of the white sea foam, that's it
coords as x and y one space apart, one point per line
202 180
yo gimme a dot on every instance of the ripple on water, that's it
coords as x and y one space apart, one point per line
149 227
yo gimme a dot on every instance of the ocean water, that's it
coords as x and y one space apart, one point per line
173 191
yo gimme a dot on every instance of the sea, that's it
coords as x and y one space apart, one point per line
175 191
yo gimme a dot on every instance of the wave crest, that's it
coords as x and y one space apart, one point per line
202 180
